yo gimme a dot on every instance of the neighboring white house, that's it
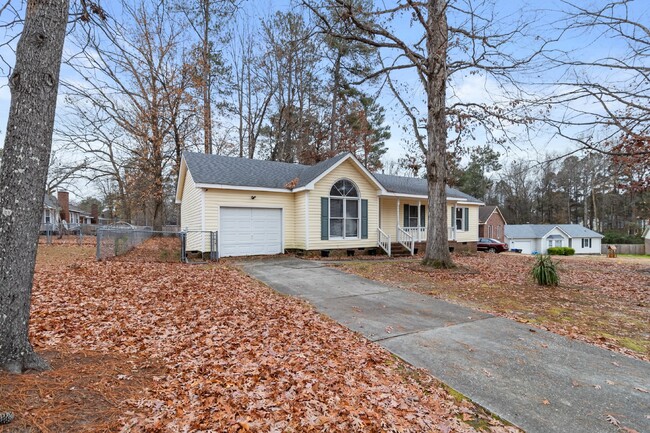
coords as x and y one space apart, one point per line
537 238
268 207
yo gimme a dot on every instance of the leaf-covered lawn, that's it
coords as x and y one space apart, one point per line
603 301
157 347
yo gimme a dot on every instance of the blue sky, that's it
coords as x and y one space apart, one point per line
469 87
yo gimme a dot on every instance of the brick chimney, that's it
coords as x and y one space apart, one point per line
64 204
94 214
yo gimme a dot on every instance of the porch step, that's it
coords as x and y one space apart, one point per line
399 250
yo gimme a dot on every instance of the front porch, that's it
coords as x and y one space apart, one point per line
403 222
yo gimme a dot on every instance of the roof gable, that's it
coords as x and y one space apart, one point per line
485 212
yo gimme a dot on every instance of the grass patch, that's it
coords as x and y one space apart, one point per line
636 345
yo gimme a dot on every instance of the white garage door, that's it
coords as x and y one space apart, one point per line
250 231
526 247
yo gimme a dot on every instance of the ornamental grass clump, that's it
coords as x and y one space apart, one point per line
545 271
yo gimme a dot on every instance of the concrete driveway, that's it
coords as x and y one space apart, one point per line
537 380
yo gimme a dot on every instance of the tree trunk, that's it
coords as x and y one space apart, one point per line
437 250
34 85
336 85
207 78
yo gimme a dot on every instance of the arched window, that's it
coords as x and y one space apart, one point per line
344 210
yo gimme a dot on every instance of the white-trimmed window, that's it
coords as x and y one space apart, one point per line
586 243
344 210
461 215
411 215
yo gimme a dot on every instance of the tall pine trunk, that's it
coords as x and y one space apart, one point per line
207 77
33 84
437 250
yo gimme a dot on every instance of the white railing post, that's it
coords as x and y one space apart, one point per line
384 241
451 233
405 239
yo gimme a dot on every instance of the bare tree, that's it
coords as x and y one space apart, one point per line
251 90
132 111
290 66
34 85
206 19
453 37
604 101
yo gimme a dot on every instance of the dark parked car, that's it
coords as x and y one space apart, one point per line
491 245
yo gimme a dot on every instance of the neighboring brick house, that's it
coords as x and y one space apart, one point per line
58 209
491 223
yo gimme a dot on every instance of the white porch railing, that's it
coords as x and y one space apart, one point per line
419 233
406 239
384 241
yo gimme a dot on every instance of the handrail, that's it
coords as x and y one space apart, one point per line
406 239
419 233
451 233
384 240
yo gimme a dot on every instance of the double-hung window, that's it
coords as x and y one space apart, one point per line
344 210
461 215
411 216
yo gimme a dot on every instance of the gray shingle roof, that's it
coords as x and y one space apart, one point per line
226 170
519 231
416 186
50 201
484 213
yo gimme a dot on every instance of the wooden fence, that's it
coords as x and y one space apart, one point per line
625 248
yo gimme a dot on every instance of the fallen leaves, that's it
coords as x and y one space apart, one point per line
231 355
612 420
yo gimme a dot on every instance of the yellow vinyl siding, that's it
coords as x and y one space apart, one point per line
191 205
389 217
300 219
465 236
217 198
191 214
368 191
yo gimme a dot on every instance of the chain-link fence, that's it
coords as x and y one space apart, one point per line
130 243
81 234
199 246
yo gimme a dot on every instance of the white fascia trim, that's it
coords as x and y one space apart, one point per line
453 199
307 220
312 184
203 213
182 174
395 194
560 229
241 188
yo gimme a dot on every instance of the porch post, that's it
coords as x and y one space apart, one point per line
419 228
397 222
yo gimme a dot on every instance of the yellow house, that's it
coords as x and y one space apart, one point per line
267 207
